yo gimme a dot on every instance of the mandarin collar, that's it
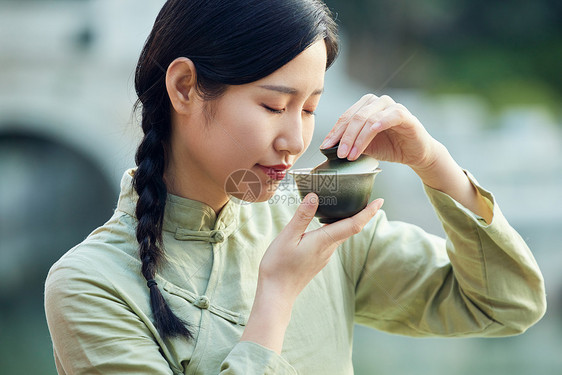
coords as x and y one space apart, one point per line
188 219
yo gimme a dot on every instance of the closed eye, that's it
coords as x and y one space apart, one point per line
273 110
280 111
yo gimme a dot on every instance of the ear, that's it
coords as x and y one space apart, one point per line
181 79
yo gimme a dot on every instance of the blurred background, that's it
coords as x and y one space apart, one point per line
482 76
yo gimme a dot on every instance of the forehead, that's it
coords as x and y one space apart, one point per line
305 72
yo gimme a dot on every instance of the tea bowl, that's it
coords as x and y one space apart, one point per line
343 187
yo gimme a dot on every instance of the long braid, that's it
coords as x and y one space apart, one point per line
149 184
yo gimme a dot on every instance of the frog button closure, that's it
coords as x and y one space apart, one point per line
202 302
217 236
213 236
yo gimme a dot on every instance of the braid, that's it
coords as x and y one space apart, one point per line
149 184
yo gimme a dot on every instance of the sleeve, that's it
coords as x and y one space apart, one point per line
480 281
250 358
93 330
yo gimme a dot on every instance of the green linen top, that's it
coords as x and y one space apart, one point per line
480 281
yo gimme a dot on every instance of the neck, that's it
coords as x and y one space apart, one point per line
186 189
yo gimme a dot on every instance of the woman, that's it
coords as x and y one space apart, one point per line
185 280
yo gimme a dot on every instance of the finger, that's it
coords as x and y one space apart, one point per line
379 122
335 134
365 117
341 230
302 217
390 117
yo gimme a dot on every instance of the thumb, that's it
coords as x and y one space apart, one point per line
304 215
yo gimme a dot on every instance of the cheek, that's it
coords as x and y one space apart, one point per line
229 151
244 134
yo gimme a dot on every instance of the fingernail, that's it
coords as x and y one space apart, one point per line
325 143
310 199
376 125
353 153
377 203
342 151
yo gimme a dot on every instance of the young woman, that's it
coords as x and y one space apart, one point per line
183 279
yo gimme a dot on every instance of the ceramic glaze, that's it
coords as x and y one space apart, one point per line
362 164
343 186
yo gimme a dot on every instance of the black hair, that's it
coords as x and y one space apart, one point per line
230 42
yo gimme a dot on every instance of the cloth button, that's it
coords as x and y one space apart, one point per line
218 236
202 302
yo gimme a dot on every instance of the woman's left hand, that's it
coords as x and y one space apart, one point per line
381 128
386 130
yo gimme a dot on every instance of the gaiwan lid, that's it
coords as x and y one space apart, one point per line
363 164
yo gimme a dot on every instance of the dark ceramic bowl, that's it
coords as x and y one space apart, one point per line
343 189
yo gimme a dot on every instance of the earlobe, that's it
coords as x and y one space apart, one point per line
181 79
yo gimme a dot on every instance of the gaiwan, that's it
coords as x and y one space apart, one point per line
343 187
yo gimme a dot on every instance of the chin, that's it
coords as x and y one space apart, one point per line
266 195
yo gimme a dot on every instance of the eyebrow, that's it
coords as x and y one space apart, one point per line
288 90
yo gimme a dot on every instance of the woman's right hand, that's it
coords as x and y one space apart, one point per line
290 263
295 257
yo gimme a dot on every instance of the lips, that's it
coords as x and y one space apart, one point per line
275 172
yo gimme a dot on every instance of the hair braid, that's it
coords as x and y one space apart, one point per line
149 184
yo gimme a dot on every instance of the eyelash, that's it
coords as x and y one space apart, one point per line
272 110
280 111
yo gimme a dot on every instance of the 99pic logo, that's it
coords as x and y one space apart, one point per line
244 185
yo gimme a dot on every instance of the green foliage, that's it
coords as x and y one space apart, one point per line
507 51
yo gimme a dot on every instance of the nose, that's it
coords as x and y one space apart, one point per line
291 137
